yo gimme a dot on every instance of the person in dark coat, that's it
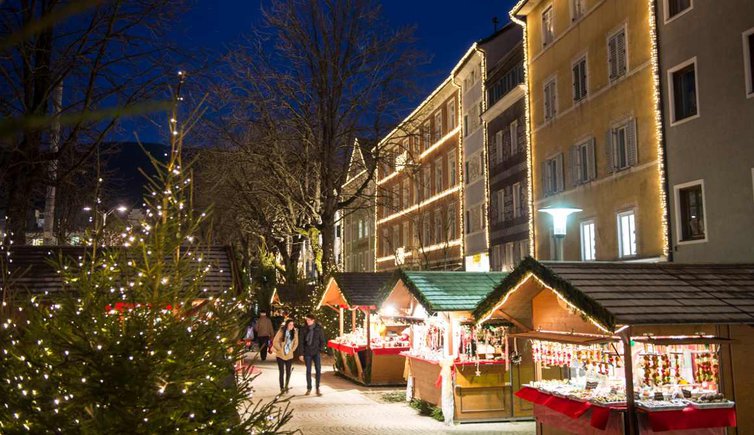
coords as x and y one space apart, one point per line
314 341
264 331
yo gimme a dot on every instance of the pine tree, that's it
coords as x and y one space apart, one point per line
136 344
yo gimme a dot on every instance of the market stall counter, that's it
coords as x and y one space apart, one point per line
370 353
452 363
612 357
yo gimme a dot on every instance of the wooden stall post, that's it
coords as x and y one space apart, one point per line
353 320
631 423
369 329
340 320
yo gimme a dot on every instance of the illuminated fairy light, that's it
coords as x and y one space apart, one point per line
527 115
658 128
424 203
440 142
485 154
430 248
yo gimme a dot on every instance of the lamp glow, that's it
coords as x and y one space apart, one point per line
559 218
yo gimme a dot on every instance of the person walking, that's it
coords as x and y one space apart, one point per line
314 342
264 332
284 345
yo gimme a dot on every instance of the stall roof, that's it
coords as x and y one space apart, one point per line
449 291
291 294
359 289
34 271
642 293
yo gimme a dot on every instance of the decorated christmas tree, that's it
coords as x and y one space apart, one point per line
137 342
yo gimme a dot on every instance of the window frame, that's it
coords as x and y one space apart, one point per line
619 215
585 91
622 28
451 114
678 221
545 42
748 62
554 104
513 131
671 91
666 11
516 199
573 6
593 249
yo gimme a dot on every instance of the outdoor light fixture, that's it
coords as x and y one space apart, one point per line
122 208
87 208
559 224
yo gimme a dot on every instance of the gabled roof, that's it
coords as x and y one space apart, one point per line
449 291
360 289
292 294
642 293
33 268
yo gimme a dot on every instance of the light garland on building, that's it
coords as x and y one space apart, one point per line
658 127
527 111
423 203
430 248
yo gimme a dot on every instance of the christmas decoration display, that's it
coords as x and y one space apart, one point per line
136 343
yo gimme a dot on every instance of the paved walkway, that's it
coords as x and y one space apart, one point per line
348 408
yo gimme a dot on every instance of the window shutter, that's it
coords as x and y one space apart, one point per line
501 204
547 101
612 57
493 151
591 163
506 143
559 174
467 173
610 150
545 179
575 73
633 156
621 43
576 165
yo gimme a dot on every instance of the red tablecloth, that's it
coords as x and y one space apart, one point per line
601 415
345 348
691 418
533 395
388 350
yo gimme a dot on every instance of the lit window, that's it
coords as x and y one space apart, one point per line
452 168
588 241
675 7
626 234
579 79
548 30
691 204
616 59
683 92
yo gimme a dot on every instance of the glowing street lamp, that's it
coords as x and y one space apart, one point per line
559 224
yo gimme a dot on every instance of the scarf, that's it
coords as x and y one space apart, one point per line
288 342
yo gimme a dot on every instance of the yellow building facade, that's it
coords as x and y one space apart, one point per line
595 141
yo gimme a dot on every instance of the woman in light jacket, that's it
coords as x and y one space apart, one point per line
284 345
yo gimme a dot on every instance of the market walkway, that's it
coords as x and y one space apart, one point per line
348 408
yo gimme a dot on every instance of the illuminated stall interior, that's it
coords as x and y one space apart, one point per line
453 363
687 328
370 352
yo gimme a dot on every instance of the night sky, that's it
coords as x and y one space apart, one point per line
444 30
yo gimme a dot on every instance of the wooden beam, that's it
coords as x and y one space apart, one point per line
631 422
340 320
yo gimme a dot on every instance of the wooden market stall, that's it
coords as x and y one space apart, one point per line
453 364
370 353
633 347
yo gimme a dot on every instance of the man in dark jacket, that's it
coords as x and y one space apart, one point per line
314 341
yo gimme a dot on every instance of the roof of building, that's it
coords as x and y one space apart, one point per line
34 269
363 289
643 293
449 291
294 294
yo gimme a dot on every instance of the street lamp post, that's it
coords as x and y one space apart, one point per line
559 224
119 209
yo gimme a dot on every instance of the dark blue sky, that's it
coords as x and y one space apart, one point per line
444 29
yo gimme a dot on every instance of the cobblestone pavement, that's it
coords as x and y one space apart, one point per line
348 408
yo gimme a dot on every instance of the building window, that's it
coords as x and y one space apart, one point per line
439 227
517 200
622 149
474 168
452 168
673 8
552 175
579 79
748 41
404 193
438 125
474 219
427 133
583 161
466 124
514 137
626 234
385 242
548 29
588 241
451 115
500 194
427 183
499 150
616 55
438 176
684 98
361 229
494 145
550 100
690 200
404 234
426 224
577 9
452 224
509 261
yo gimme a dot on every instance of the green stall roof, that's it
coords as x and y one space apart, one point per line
450 291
